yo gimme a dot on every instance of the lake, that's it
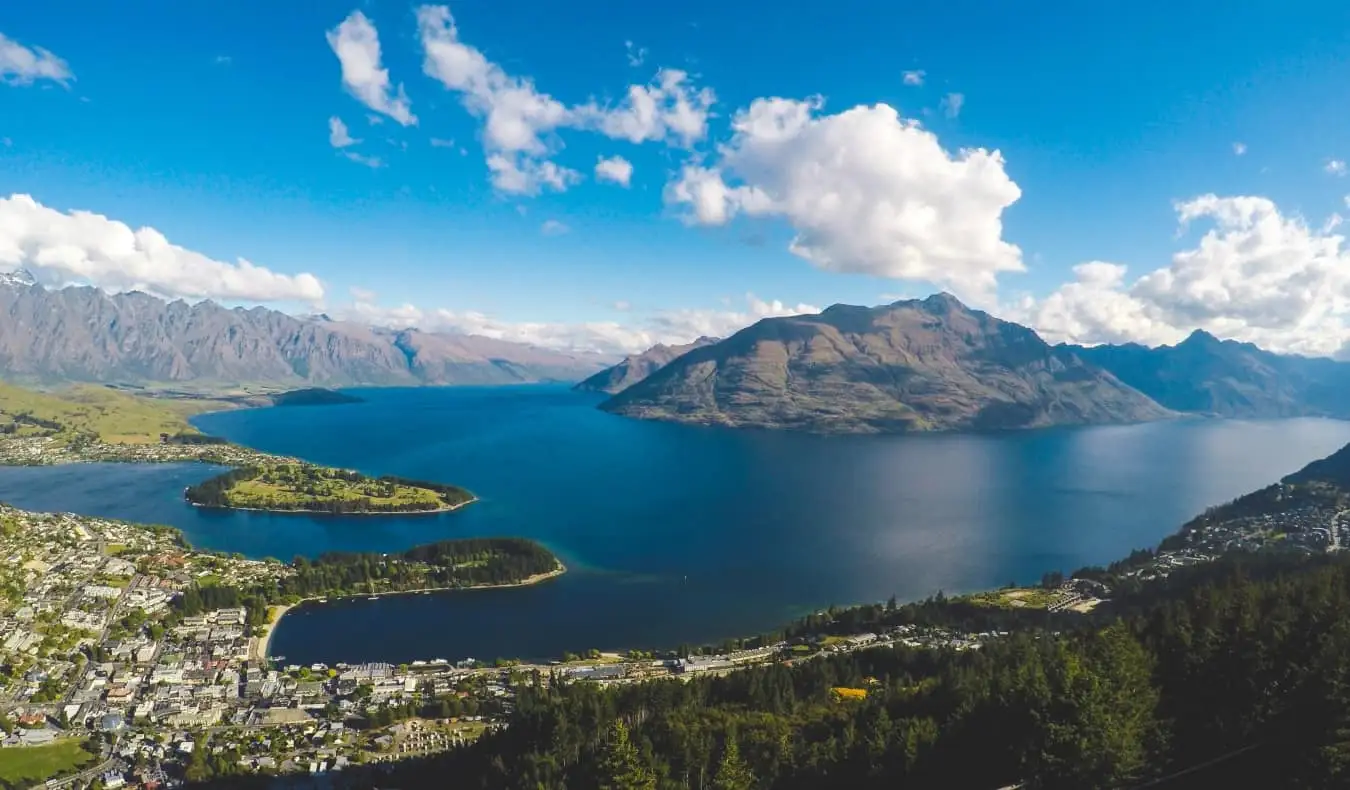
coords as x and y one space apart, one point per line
674 534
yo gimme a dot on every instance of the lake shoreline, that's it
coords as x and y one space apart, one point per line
280 610
443 509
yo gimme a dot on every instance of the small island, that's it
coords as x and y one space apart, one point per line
299 487
313 396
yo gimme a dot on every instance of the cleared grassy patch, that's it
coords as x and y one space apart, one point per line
293 486
21 766
1015 598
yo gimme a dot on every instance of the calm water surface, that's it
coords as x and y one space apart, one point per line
675 534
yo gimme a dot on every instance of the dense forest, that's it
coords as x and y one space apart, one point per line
469 562
1236 675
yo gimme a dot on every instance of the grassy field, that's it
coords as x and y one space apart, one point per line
114 417
22 766
1019 598
283 485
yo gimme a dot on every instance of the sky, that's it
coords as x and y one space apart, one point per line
604 176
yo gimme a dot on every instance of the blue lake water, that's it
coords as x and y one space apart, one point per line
675 534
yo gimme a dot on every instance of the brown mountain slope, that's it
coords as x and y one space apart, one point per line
84 334
911 366
637 367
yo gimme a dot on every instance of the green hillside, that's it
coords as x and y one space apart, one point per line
112 416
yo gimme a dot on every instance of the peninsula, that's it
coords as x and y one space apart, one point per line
90 423
299 487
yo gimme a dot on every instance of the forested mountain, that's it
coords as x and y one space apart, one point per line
931 364
1205 375
84 334
637 367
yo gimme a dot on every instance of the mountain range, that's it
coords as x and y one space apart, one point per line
85 334
917 365
931 364
637 367
935 364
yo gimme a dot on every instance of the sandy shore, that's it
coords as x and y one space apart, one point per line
259 647
262 647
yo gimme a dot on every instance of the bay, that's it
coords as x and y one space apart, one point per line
674 534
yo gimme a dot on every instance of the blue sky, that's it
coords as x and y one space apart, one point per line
210 124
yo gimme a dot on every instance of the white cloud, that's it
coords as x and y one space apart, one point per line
952 104
515 114
337 134
437 142
687 325
357 46
363 294
1335 167
866 190
606 337
669 109
1256 275
520 175
553 227
83 247
20 65
914 77
615 169
224 60
520 121
1239 148
622 306
361 159
636 54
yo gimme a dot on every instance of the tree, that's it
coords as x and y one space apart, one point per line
621 766
732 772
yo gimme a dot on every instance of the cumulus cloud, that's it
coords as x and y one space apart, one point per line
615 169
83 247
1335 167
520 120
338 136
866 191
914 77
605 337
952 104
1239 148
669 108
357 46
522 175
1255 275
552 227
20 65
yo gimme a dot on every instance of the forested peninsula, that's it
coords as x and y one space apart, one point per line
307 488
444 565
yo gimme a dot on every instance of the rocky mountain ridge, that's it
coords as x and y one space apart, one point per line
636 367
916 365
84 334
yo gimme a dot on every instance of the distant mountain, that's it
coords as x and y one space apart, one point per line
84 334
637 367
931 364
1205 375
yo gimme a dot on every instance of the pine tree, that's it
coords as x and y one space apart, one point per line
732 772
621 767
